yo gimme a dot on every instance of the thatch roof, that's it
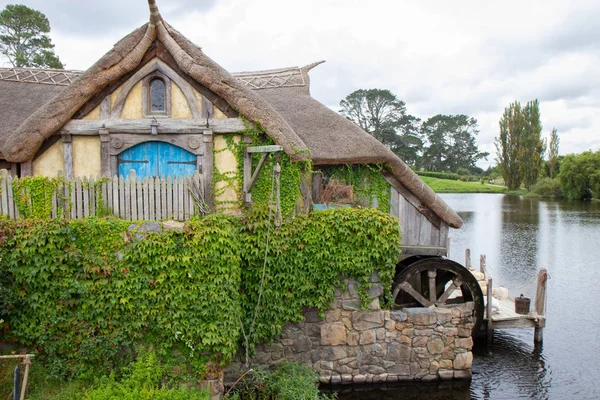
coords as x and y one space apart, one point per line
37 103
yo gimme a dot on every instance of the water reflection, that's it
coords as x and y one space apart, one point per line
458 390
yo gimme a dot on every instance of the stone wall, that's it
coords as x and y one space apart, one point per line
374 346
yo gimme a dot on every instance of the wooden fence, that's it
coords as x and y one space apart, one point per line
128 198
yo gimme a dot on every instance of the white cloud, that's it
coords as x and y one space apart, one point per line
472 57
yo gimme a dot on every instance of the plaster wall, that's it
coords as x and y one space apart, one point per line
86 156
180 108
226 197
94 114
50 162
132 108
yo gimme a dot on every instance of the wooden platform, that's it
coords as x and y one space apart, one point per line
507 318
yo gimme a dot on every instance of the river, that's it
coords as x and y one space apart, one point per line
520 235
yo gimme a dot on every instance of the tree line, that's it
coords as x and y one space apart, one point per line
442 143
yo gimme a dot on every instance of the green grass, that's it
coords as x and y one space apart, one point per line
450 186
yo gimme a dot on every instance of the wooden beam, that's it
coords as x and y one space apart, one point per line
540 303
27 168
264 149
104 153
207 168
68 155
172 126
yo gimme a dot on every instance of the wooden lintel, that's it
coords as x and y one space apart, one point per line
264 149
142 126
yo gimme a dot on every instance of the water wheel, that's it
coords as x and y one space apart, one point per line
439 282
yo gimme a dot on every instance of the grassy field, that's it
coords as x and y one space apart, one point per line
449 186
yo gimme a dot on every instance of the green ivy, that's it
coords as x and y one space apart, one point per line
85 293
367 181
33 195
308 257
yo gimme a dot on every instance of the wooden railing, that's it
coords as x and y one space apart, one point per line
128 198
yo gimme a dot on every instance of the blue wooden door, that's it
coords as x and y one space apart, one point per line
157 159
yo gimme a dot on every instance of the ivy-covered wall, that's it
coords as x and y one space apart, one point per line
85 293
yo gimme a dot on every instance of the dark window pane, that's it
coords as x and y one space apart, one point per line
157 89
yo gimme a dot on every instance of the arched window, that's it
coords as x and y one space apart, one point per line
157 96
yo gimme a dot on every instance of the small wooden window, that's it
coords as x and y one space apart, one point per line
158 96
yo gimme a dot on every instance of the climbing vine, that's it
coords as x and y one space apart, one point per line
85 293
291 173
33 195
366 180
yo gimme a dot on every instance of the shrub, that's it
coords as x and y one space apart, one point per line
439 175
142 382
287 382
547 188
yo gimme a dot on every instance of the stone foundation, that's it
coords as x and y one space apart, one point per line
375 346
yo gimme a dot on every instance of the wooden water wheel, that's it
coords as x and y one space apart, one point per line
439 282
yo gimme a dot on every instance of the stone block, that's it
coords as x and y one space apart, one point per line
336 379
380 378
399 369
374 278
373 369
451 331
463 361
405 339
463 374
435 345
325 379
303 344
367 337
421 316
398 316
390 325
333 315
312 315
445 364
346 360
353 338
333 353
444 315
333 334
420 341
375 304
362 321
380 333
464 332
424 332
343 369
173 225
376 290
465 343
445 374
374 350
392 378
359 379
351 305
398 352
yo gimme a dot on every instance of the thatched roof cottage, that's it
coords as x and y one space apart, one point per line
156 103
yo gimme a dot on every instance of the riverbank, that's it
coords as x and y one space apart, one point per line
452 186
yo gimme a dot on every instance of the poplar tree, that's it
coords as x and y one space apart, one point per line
533 147
508 145
553 151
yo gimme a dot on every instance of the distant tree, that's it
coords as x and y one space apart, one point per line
520 148
533 147
24 40
553 151
580 175
380 113
450 143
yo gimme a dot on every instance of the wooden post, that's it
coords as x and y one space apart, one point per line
27 363
489 312
540 303
104 153
207 168
68 155
247 171
483 265
278 217
468 258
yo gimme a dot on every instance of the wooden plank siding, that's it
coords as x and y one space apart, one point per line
132 198
417 229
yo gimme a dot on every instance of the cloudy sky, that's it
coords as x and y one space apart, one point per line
470 57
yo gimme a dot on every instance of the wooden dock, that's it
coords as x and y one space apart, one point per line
500 310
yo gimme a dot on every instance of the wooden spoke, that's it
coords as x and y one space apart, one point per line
407 287
455 285
432 289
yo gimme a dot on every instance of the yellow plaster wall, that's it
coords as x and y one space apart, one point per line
50 162
225 163
179 105
133 103
94 114
86 156
217 113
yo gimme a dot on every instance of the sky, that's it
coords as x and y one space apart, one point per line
468 57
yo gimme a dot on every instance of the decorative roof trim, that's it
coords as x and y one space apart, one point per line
285 77
43 76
